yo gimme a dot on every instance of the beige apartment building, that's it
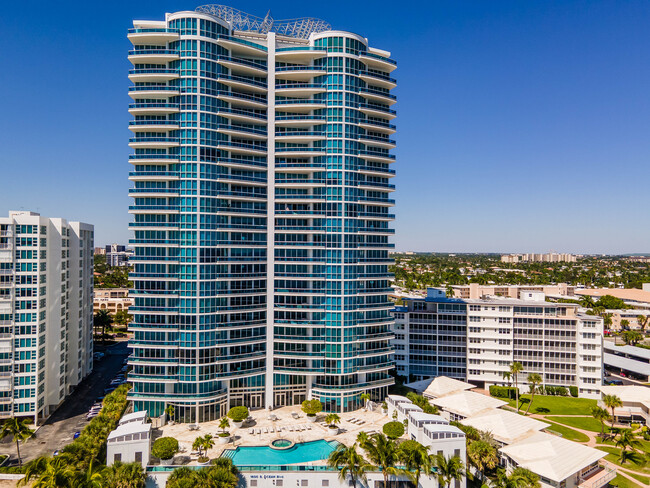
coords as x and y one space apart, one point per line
551 257
474 291
112 299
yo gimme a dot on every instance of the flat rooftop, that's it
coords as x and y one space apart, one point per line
631 294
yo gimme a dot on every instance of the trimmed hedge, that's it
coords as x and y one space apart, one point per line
393 430
503 391
312 407
574 391
556 391
165 448
238 414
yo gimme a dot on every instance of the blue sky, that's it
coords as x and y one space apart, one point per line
522 125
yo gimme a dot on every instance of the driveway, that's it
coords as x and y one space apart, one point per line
58 430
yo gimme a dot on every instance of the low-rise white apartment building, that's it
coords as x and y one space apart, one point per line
46 311
475 290
636 403
131 441
112 299
478 339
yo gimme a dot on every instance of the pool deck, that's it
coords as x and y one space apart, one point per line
373 422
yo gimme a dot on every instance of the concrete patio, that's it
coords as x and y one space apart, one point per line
303 430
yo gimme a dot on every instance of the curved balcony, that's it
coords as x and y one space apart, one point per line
240 163
383 142
238 65
241 46
153 142
299 54
242 148
152 36
372 110
377 156
376 186
153 158
378 126
377 96
378 79
376 61
153 56
153 125
301 198
382 202
245 116
242 100
298 152
300 183
299 120
150 75
148 108
154 192
300 105
239 131
242 83
297 136
136 92
377 216
154 176
375 171
299 89
299 73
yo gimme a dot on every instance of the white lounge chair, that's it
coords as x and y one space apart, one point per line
251 431
308 427
266 430
291 428
258 431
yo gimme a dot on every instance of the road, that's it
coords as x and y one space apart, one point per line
58 430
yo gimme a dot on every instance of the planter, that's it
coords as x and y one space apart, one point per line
332 430
384 411
223 440
238 424
166 462
312 418
204 463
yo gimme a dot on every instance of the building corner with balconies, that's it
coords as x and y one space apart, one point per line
261 183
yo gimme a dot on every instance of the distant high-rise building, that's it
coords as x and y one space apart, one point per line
551 257
261 214
46 311
117 255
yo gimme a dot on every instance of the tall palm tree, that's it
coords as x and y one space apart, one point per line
52 473
587 301
602 416
642 320
534 380
483 456
507 375
382 452
415 458
515 369
447 469
365 398
625 439
102 319
612 402
19 430
349 463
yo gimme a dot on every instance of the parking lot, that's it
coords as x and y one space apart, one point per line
70 417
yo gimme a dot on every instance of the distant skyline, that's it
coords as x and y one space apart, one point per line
522 126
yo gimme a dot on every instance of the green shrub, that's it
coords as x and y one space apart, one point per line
574 391
393 430
312 407
165 448
238 414
503 391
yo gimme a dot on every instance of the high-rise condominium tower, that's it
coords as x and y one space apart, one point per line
261 187
46 311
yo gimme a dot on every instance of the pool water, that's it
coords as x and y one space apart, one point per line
302 452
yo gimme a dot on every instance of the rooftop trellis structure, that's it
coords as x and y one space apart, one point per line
300 28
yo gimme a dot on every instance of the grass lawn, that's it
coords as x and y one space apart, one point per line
612 457
556 405
570 434
584 423
621 482
643 479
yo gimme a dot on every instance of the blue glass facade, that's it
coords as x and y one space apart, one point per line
261 200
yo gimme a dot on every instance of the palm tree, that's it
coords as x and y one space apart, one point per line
50 473
332 419
642 320
102 319
93 477
208 442
587 301
365 398
197 445
507 375
349 463
20 432
516 368
447 469
523 478
224 423
625 439
483 456
612 402
415 457
534 380
601 415
382 452
129 475
625 456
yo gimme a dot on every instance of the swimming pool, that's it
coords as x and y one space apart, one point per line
302 452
